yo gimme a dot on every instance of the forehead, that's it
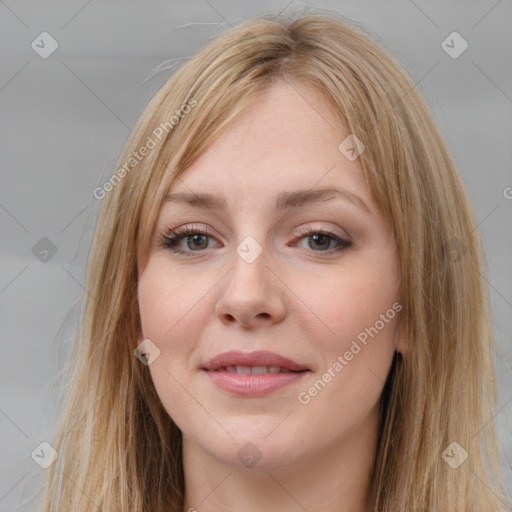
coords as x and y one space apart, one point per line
287 139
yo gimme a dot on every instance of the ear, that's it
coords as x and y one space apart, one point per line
401 338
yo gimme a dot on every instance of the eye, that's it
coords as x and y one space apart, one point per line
320 240
196 239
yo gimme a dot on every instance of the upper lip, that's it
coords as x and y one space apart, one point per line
259 358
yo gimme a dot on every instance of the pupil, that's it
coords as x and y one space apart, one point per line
196 240
320 236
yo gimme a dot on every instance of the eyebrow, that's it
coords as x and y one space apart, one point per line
285 201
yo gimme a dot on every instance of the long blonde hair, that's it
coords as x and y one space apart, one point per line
119 449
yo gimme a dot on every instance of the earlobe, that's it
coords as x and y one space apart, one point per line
140 338
401 342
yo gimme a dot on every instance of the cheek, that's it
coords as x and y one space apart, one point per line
353 329
355 335
342 305
170 318
171 303
172 308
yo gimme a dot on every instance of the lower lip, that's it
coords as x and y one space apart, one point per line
253 385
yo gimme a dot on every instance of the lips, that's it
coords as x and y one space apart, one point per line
258 363
253 374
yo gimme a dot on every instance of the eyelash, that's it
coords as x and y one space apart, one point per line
171 239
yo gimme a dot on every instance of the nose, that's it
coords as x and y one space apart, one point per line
252 294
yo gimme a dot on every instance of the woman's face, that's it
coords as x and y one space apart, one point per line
268 278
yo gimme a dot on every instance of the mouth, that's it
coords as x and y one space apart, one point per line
255 370
259 362
253 374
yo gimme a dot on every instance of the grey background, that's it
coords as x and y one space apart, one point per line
65 119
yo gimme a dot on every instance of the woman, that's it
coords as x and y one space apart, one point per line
285 308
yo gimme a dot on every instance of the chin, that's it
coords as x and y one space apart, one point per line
253 449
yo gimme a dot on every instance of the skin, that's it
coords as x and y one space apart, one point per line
299 298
